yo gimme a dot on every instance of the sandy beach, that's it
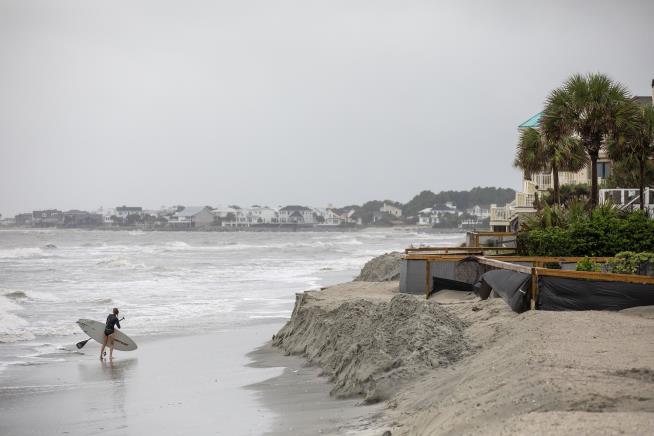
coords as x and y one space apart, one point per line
498 372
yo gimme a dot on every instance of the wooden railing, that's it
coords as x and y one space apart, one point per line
457 250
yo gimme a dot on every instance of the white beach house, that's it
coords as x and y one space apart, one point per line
432 215
392 210
479 212
262 215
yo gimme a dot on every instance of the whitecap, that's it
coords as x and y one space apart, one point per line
21 253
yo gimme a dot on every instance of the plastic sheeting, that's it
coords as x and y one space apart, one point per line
559 293
439 283
512 286
554 293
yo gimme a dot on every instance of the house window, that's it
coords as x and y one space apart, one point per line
603 169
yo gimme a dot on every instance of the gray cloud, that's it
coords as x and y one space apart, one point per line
272 102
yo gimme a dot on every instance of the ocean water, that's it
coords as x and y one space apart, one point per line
168 282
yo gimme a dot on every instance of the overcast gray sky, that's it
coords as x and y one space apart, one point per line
151 102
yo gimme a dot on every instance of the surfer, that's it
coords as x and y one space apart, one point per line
112 321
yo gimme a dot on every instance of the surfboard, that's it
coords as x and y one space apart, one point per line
95 330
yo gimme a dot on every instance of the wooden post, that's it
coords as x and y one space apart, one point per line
427 278
534 287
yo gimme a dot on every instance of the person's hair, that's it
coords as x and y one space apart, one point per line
115 311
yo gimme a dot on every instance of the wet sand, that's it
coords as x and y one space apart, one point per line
189 385
169 386
301 401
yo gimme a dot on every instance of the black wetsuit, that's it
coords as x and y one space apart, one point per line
112 320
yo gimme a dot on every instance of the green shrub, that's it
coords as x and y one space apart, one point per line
628 262
605 232
587 264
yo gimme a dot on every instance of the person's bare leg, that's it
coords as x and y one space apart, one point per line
111 347
104 344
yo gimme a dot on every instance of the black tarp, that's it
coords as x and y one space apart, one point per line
559 293
440 283
554 293
456 276
512 286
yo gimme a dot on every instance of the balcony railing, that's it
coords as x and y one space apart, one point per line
542 180
525 200
501 213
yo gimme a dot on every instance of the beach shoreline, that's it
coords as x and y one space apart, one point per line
190 384
301 401
230 382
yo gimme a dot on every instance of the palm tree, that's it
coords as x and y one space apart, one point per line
538 152
636 142
566 154
590 107
530 153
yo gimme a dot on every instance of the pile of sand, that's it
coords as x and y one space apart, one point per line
541 372
454 365
370 347
381 269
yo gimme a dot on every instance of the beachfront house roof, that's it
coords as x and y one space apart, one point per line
129 209
294 208
531 122
444 208
535 119
643 99
190 211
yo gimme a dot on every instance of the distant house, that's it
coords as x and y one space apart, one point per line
479 212
246 217
23 219
192 217
223 211
125 211
424 217
297 215
447 208
80 218
47 218
107 216
432 215
227 215
262 215
390 209
333 218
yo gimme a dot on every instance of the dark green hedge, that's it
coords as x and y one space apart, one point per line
603 233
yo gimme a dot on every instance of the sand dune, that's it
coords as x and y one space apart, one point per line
458 365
